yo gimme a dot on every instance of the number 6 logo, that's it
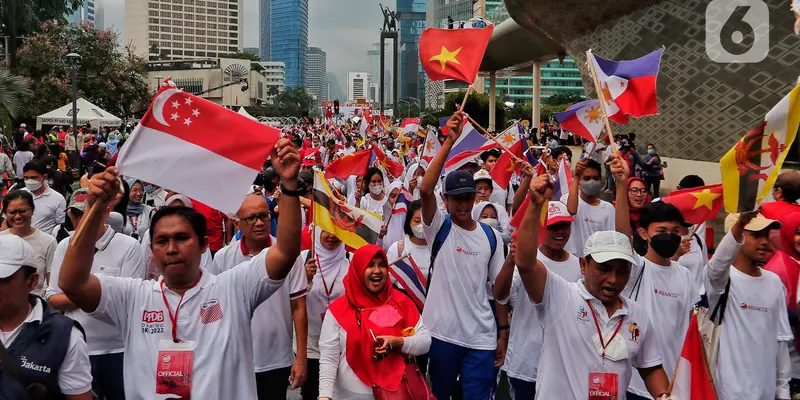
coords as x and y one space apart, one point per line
737 31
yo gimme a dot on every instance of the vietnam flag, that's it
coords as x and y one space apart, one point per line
177 146
393 168
750 168
692 379
453 53
351 164
697 205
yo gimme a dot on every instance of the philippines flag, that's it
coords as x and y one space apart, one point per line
628 87
443 124
563 179
469 145
431 146
180 129
692 379
410 278
584 119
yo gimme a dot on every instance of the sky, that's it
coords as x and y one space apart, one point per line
344 29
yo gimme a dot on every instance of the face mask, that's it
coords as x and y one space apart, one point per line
33 185
591 188
651 151
639 245
418 232
665 244
376 190
149 188
419 181
490 221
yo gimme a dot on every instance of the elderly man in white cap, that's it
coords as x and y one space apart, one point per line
42 351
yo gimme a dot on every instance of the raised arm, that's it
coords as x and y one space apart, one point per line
282 255
574 194
621 172
718 268
75 278
502 284
519 195
532 272
429 181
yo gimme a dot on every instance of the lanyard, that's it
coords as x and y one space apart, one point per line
324 284
174 317
599 332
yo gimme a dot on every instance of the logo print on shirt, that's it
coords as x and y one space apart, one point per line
210 311
666 294
746 306
34 367
152 322
633 328
467 252
582 314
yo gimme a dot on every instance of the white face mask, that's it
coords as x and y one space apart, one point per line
376 190
33 185
616 350
419 180
418 232
493 222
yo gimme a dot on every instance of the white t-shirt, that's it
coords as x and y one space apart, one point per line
755 321
44 246
272 320
223 354
697 258
50 210
670 294
20 159
420 254
568 352
525 338
500 195
588 220
115 255
457 307
372 205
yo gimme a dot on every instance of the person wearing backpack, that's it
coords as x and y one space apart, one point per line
464 255
753 361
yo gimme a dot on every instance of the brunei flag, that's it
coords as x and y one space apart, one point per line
353 226
750 168
453 53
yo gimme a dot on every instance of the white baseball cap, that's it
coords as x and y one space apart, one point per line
557 212
14 253
22 125
605 246
482 174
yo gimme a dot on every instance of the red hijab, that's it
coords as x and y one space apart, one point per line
635 212
387 313
785 264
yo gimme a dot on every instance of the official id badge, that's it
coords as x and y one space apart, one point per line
603 385
174 369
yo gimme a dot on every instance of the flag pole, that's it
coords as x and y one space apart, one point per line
82 227
496 140
466 96
593 73
405 255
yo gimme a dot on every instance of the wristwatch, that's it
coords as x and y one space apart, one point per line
301 190
503 327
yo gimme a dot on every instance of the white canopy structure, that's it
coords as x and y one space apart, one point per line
244 112
88 113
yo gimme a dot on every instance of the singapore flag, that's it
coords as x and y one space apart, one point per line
194 147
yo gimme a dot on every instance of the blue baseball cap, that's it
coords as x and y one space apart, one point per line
459 182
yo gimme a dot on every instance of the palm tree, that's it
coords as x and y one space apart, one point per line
12 89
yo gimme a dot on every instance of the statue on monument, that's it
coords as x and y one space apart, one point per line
389 19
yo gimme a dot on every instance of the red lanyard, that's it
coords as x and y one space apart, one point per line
324 284
174 317
599 332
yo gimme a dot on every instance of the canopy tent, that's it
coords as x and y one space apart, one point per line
88 113
244 112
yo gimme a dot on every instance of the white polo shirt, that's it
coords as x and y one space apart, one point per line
568 352
51 208
272 321
525 338
457 307
223 354
115 255
588 220
670 293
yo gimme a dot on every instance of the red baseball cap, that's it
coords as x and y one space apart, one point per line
557 212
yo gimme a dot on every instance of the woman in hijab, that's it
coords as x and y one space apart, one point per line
413 178
325 268
491 214
112 143
368 334
137 212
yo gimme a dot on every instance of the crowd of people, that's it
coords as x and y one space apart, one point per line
588 295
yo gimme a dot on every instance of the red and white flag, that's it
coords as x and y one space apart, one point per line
692 380
431 146
197 148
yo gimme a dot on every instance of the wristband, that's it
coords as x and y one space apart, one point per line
503 327
301 190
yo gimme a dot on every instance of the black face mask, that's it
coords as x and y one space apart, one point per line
665 244
639 245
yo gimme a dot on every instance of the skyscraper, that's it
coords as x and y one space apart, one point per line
334 89
317 66
90 11
411 15
357 86
264 37
374 68
289 38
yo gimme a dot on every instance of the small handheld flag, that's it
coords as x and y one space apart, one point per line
627 87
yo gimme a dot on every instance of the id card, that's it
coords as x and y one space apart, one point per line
603 385
174 369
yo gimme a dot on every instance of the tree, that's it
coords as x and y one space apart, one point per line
272 92
477 107
242 56
12 89
113 80
22 18
563 98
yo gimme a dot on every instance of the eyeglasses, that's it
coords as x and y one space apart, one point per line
637 192
17 212
251 220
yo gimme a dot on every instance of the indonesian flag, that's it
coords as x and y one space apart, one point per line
431 146
628 87
183 144
692 380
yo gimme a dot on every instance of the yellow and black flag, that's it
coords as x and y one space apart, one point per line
750 168
353 226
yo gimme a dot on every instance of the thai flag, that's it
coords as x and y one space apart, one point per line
469 145
403 202
528 153
563 179
628 87
411 280
584 119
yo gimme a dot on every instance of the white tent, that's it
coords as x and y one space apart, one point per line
244 112
88 113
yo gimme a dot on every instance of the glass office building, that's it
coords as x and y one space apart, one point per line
412 19
289 38
264 37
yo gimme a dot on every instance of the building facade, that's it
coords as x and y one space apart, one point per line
289 38
317 66
264 37
556 77
412 19
374 68
334 88
275 74
91 12
358 86
179 29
